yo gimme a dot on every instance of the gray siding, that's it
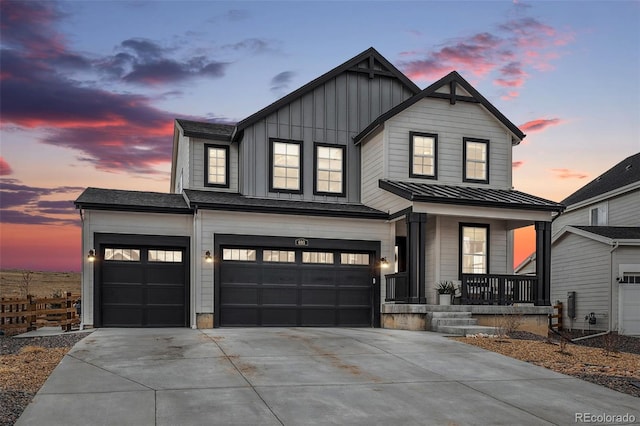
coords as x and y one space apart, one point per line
625 209
198 164
332 113
451 123
582 265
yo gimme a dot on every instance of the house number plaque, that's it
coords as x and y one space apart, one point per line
302 242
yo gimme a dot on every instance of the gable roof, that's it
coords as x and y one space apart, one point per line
622 174
370 54
610 235
452 79
199 129
469 196
138 201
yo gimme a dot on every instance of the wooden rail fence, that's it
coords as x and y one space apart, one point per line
557 315
32 313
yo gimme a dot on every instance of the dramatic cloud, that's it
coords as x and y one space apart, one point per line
254 45
119 132
539 125
517 164
568 174
280 83
507 54
5 168
23 204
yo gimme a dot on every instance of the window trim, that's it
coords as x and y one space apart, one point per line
207 146
412 174
464 160
272 141
343 192
463 225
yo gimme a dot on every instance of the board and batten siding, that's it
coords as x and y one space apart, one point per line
452 123
332 113
294 226
582 265
96 221
198 164
183 165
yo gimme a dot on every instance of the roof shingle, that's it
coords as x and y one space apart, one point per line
203 130
614 232
116 199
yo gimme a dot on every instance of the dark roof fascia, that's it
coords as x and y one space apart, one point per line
202 135
408 195
304 210
264 112
130 208
431 92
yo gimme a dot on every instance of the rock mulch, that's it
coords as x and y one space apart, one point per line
611 361
25 364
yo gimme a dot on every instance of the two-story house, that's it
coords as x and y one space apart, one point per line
595 267
354 191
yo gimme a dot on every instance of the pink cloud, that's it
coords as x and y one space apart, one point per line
5 168
517 164
568 174
539 124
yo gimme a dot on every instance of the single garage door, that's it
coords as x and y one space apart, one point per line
630 307
262 286
143 286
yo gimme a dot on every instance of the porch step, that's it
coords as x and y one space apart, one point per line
465 330
450 314
439 322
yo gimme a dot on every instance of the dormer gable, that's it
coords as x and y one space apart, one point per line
453 88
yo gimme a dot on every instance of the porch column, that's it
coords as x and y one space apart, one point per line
543 263
416 239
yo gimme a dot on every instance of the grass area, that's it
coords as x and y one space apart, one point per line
41 284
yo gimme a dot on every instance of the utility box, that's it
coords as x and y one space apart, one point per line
571 304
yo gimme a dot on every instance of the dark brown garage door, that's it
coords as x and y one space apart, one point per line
295 287
142 286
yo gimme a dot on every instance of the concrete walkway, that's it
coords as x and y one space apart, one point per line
296 376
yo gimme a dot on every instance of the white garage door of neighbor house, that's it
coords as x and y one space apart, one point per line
630 309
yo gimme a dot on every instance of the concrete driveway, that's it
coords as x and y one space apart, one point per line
300 376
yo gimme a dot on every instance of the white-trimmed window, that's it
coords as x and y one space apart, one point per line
217 165
329 170
167 256
354 258
474 249
122 254
317 257
476 160
423 155
281 256
286 166
598 215
239 254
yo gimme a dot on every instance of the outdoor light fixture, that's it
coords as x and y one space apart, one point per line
207 257
384 263
92 255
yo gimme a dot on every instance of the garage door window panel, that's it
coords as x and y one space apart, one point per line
239 255
354 258
121 254
165 256
279 256
317 257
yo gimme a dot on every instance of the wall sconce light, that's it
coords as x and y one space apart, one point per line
384 263
92 255
207 257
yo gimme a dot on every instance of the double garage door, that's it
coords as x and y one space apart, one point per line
296 286
142 282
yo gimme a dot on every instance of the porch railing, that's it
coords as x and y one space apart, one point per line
491 289
397 287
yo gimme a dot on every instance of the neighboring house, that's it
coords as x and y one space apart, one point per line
596 252
527 266
290 216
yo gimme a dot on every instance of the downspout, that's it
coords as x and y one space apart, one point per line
615 246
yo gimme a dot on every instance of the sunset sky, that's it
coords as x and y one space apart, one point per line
89 89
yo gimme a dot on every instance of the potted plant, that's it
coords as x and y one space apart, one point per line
445 290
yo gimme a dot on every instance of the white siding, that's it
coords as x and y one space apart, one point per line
198 162
625 209
582 265
214 222
124 223
182 163
451 123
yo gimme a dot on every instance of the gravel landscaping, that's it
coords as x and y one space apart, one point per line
25 364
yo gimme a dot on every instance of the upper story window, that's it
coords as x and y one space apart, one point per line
474 248
598 216
476 160
216 165
285 159
424 155
329 170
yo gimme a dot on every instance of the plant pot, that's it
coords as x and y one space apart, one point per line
444 299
